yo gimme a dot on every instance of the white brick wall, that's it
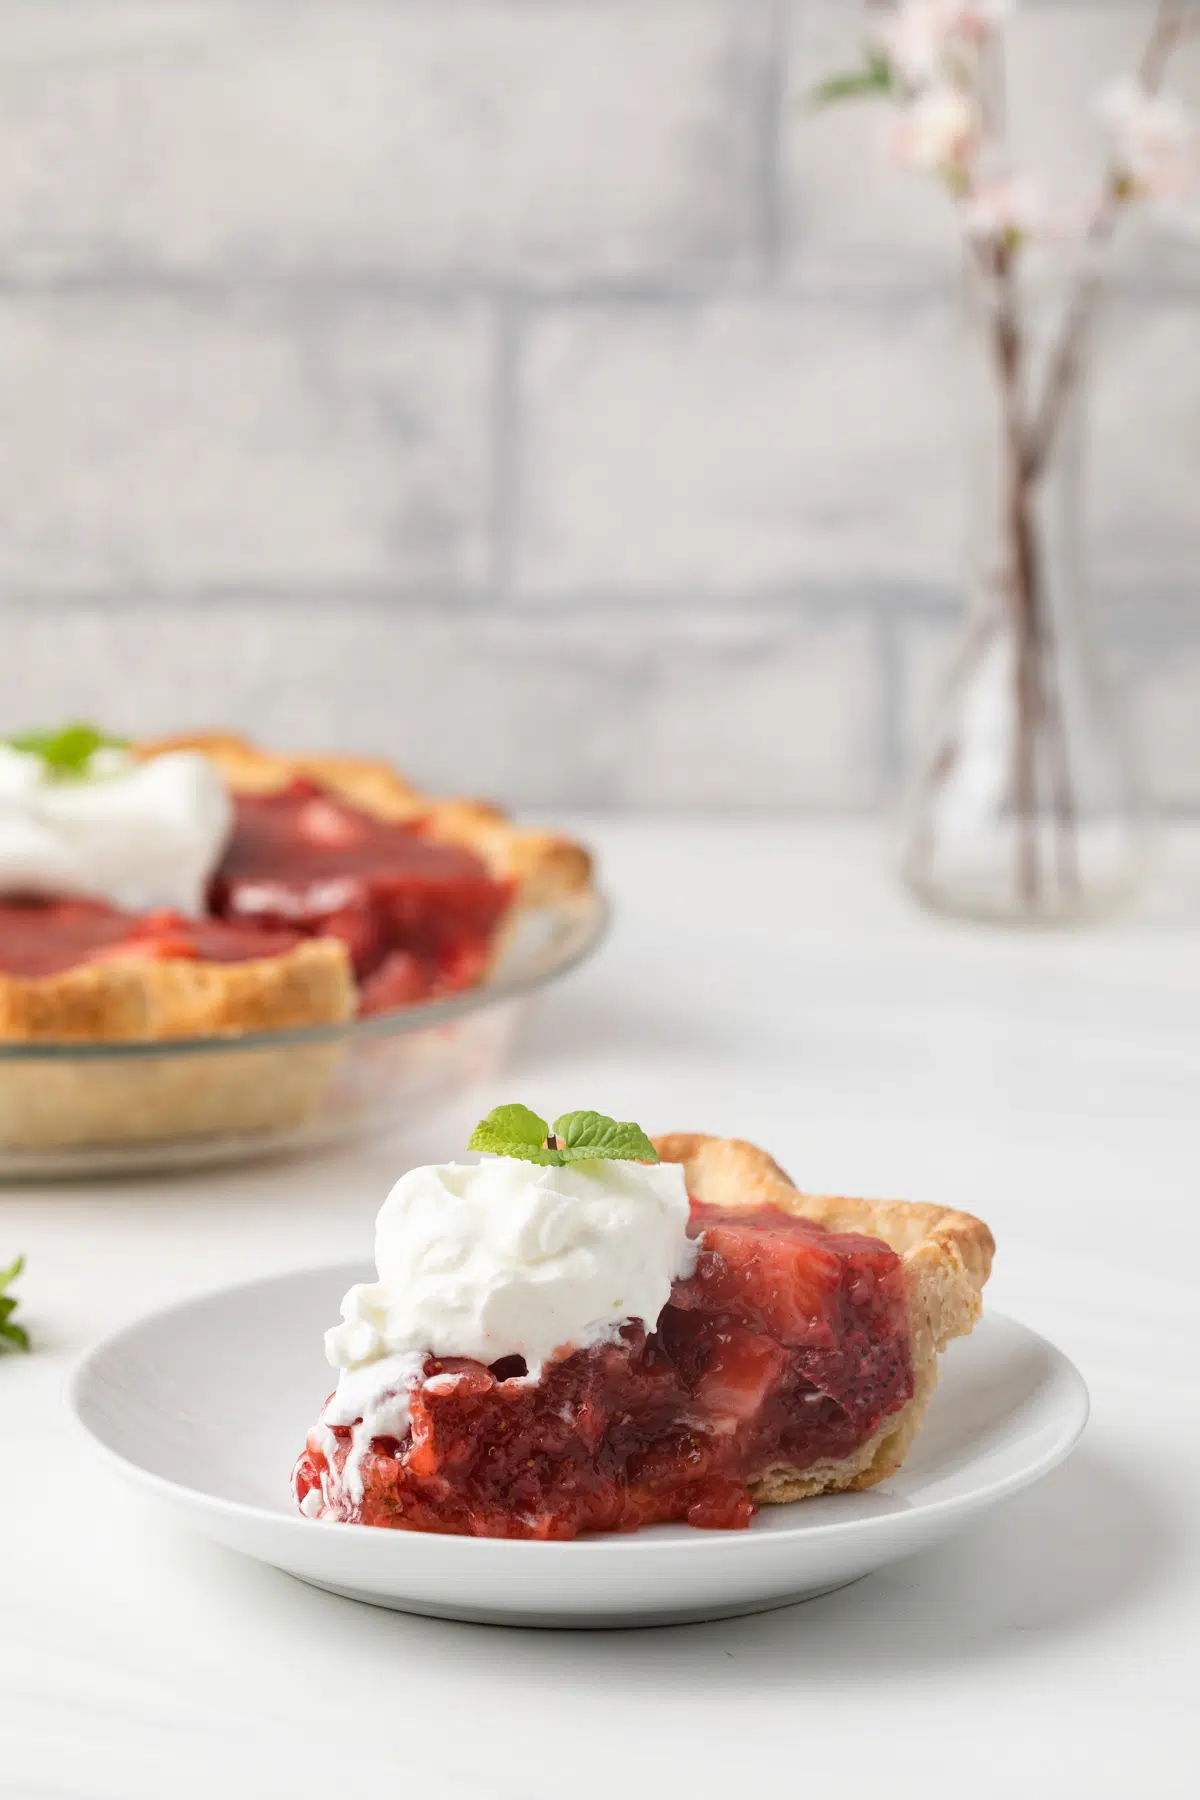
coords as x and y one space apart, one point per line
166 446
715 450
562 141
1144 500
626 709
533 388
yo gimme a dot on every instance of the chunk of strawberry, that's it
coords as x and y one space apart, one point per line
322 820
743 1368
784 1272
400 980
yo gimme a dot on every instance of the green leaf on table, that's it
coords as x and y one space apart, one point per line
69 750
12 1337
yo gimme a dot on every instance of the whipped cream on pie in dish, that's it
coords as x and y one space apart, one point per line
502 1259
142 836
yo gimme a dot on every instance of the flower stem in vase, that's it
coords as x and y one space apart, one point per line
1024 807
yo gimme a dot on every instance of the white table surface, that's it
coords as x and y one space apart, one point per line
764 980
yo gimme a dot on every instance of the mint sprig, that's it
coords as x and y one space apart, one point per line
12 1337
515 1131
576 1137
68 751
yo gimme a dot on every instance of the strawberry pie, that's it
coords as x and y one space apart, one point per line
301 889
202 888
629 1336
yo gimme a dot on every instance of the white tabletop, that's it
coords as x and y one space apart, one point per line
766 981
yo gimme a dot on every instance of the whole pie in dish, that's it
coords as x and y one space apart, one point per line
794 1352
199 886
410 896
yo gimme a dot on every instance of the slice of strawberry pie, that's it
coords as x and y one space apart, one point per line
593 1333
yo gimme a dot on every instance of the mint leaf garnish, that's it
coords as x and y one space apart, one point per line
68 751
514 1131
12 1337
592 1134
577 1137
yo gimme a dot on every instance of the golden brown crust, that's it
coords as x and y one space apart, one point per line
946 1255
543 865
70 1102
129 997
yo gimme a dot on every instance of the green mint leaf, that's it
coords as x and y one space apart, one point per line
514 1131
577 1137
858 84
587 1135
69 750
12 1337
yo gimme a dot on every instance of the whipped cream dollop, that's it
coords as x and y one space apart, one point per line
141 835
496 1259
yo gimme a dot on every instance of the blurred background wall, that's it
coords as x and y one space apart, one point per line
532 389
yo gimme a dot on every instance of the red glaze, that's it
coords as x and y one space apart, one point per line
417 916
788 1344
44 937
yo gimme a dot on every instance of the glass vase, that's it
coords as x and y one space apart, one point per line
1024 807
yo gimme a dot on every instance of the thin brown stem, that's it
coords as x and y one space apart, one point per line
1037 700
1019 573
1173 21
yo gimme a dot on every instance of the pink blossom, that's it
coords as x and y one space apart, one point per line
1005 206
979 19
1153 139
918 36
936 132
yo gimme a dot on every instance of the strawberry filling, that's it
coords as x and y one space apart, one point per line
786 1347
417 917
44 937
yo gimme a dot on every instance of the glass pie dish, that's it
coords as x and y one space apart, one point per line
71 1109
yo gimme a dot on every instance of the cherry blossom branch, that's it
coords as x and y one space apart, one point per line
1174 21
941 61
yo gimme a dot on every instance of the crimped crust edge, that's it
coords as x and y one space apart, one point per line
128 997
946 1256
544 865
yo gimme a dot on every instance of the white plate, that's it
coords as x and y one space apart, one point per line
207 1405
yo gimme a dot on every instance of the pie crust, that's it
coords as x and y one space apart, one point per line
946 1256
544 866
131 995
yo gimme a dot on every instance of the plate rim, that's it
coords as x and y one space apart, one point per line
1065 1372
